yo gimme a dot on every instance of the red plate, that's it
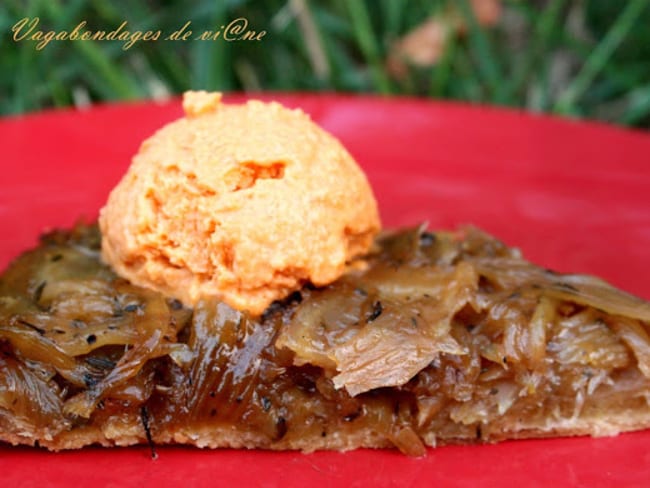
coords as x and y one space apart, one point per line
572 196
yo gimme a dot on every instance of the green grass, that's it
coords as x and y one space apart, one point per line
586 59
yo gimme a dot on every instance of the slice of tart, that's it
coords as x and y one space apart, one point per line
439 338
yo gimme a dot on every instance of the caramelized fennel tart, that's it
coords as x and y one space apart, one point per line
445 337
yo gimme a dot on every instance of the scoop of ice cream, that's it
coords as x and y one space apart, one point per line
245 203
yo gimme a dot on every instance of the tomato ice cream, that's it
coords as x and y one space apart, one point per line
241 202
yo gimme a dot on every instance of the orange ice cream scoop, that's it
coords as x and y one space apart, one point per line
244 203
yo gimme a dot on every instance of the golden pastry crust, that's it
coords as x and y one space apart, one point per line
241 202
129 431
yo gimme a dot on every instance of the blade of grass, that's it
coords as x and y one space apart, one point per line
464 86
209 66
393 14
442 71
368 44
311 39
338 59
600 56
487 63
23 80
116 83
60 93
345 74
639 106
544 29
173 68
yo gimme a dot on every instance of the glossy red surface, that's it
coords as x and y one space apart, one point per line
572 196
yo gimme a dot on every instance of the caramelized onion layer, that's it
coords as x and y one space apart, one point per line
444 336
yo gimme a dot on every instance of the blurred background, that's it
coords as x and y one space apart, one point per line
578 58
